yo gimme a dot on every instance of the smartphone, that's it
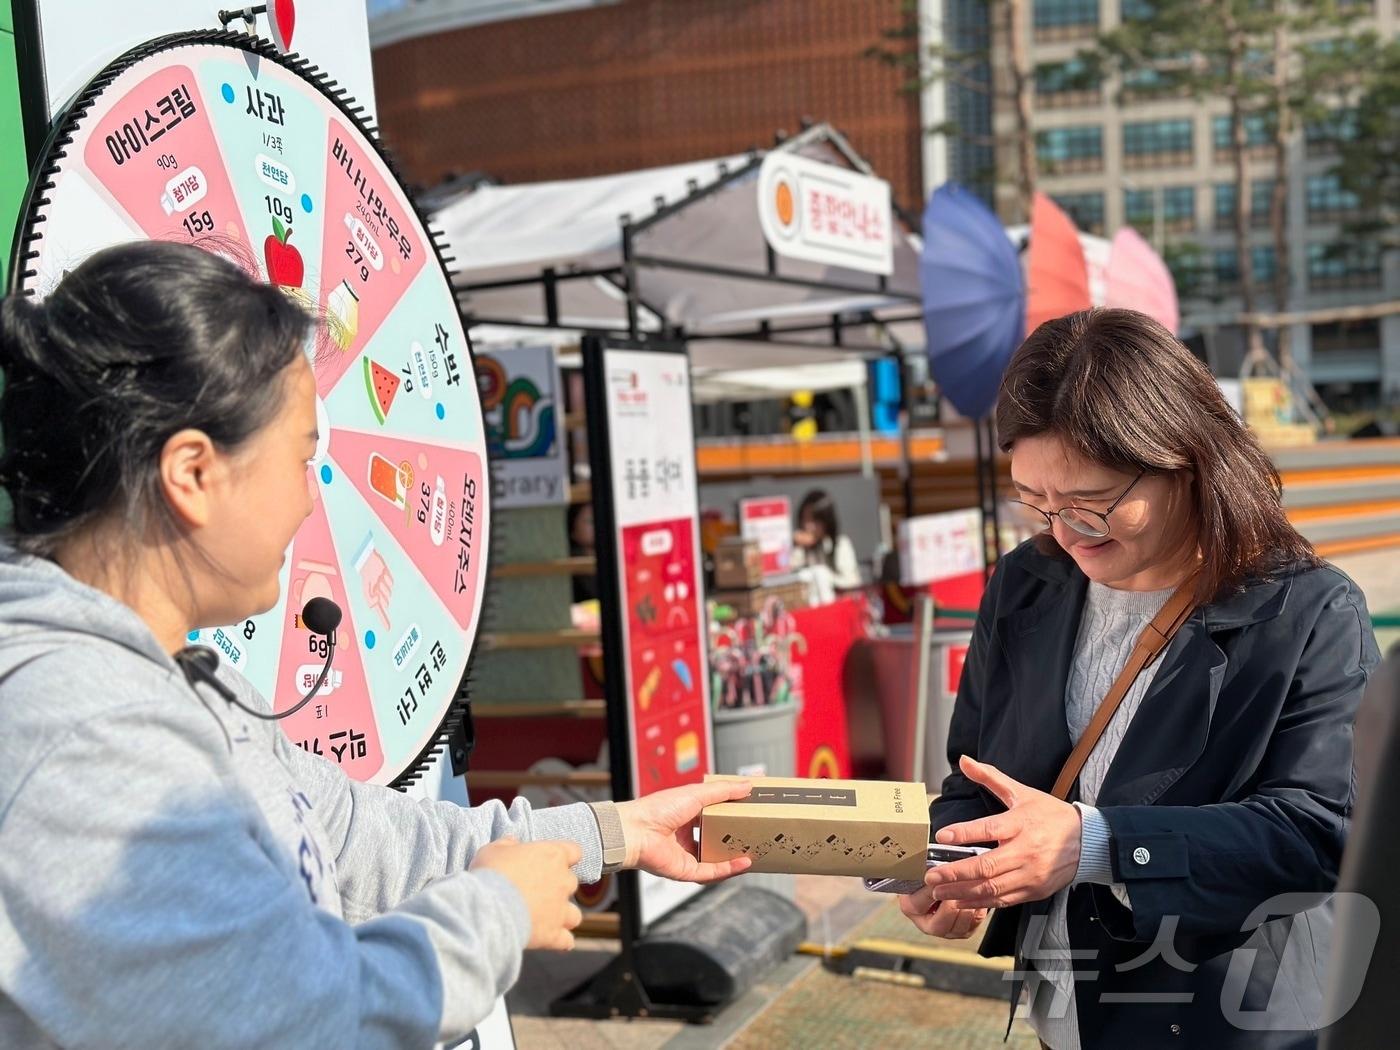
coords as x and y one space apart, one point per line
936 855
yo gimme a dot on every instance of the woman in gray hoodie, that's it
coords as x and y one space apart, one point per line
172 871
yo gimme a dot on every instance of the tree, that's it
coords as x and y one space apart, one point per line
1368 155
1002 75
1273 62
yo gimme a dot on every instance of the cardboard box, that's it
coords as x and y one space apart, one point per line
738 564
870 828
749 601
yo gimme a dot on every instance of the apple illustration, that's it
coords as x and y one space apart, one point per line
284 265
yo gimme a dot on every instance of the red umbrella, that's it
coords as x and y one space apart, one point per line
1057 274
1138 279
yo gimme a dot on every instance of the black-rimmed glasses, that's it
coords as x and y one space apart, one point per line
1086 522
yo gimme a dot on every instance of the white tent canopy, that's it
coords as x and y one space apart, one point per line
689 233
757 384
548 261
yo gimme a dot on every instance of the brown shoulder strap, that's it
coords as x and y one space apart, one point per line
1155 637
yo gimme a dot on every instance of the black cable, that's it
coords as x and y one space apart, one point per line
200 663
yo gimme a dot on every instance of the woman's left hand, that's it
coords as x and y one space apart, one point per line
660 831
1037 852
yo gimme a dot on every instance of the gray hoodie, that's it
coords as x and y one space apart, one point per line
174 873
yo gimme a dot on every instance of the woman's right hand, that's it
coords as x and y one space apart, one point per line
941 918
540 872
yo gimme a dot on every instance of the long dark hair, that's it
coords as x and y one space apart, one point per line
139 342
821 508
1120 390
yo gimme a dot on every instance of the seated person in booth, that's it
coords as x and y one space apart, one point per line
818 542
582 544
174 872
1183 844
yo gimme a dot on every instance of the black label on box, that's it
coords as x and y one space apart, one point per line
798 797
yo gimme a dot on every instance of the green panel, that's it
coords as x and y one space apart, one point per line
14 171
532 603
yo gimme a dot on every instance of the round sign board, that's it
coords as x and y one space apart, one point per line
220 140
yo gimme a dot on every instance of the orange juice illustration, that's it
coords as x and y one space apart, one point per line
386 479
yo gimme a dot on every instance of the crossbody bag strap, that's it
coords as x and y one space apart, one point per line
1155 637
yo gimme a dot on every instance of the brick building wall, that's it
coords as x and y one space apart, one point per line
643 83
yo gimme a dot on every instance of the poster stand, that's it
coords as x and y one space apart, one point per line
619 989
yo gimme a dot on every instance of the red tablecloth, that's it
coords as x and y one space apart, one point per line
823 744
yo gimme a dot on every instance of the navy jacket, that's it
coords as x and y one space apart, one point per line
1233 786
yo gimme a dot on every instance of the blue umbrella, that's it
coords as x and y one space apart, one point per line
974 298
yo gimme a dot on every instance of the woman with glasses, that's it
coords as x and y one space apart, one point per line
1172 891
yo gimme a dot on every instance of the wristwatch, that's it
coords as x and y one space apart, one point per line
614 842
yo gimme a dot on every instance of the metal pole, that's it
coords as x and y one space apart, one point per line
867 460
906 442
923 644
629 269
981 482
993 479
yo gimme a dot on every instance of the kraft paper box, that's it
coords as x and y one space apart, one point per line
870 828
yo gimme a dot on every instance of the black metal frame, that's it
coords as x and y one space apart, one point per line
618 989
33 85
986 435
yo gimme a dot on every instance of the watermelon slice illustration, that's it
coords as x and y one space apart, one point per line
382 385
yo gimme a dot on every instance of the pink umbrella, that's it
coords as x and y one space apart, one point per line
1139 280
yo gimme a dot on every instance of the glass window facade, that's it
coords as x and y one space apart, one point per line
1070 149
1086 209
1258 131
1261 194
1157 143
1353 266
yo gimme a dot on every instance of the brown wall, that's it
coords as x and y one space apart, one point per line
646 82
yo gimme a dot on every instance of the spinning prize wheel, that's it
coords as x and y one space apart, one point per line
220 139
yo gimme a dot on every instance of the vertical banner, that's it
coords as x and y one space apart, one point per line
520 400
647 515
768 522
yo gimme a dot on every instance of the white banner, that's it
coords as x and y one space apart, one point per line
822 213
768 522
937 547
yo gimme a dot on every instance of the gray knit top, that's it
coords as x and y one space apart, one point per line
1108 630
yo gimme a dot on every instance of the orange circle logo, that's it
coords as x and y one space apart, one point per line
784 203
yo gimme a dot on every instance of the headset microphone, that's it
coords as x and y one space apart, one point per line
321 617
